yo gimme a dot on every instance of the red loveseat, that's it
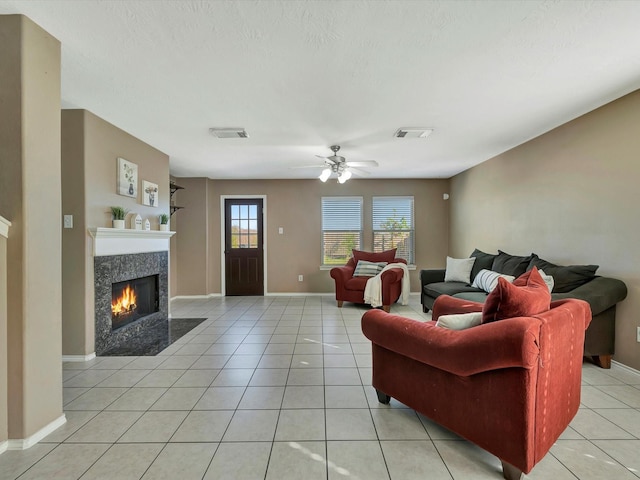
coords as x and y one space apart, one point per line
351 289
510 386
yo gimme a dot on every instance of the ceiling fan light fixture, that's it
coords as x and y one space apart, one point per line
324 176
344 176
229 132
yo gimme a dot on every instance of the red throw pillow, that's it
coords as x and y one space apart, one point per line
527 295
386 256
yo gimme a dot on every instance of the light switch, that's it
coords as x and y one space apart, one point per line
280 230
68 221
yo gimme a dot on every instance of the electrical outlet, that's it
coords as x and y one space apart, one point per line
68 221
638 335
300 278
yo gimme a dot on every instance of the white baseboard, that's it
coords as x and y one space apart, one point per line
195 297
625 367
78 358
24 443
296 294
4 446
267 294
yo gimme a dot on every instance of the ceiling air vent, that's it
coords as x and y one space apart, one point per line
413 132
229 132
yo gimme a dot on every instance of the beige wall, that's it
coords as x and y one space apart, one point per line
295 206
191 228
73 239
30 198
91 147
570 196
173 247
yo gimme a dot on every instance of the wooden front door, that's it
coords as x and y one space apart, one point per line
244 266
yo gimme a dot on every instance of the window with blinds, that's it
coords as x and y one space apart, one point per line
393 226
341 228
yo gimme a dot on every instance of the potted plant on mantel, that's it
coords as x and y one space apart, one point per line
118 214
164 222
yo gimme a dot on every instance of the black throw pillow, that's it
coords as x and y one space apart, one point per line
565 279
511 264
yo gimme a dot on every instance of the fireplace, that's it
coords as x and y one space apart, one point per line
146 276
133 299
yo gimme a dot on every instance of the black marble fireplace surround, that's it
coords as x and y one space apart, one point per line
119 268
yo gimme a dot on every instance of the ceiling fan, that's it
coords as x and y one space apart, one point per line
338 164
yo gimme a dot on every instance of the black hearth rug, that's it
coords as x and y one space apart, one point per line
152 344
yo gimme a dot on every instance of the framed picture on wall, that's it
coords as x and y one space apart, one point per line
127 178
149 193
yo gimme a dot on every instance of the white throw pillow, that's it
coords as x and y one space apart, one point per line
459 269
460 321
548 279
487 280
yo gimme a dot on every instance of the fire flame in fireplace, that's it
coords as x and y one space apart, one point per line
125 303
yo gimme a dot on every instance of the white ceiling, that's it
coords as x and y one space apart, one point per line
303 75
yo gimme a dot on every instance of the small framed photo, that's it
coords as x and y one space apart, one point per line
149 193
127 178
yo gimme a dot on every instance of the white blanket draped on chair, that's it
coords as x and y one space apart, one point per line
373 288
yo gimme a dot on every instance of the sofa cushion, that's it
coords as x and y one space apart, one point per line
487 280
459 269
448 288
368 269
510 264
386 256
479 296
460 321
483 261
565 278
528 295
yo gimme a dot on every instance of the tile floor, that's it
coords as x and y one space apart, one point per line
279 388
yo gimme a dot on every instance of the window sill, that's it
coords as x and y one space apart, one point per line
329 267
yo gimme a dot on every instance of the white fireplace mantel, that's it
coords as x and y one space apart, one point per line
115 241
4 226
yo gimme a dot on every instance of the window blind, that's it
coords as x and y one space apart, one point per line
393 226
341 228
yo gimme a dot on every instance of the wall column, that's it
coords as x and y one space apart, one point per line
30 197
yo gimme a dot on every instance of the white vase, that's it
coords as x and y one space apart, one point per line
164 227
118 224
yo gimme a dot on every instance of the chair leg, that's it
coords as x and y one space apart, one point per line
339 303
603 361
383 397
425 309
386 308
509 472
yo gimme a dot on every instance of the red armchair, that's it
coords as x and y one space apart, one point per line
510 386
351 289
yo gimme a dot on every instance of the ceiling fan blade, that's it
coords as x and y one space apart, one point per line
310 166
333 159
359 172
363 163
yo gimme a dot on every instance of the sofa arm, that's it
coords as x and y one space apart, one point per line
496 345
432 275
600 293
447 305
392 275
342 274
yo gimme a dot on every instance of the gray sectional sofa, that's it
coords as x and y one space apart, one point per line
574 281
